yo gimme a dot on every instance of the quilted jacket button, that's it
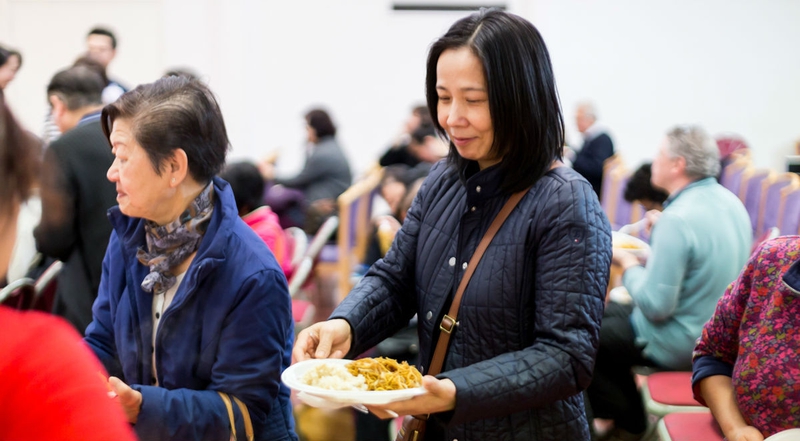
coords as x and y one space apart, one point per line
429 315
478 189
452 261
464 265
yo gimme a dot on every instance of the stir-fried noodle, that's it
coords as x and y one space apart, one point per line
383 373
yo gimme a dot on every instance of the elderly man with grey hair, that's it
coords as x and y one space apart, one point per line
699 245
597 146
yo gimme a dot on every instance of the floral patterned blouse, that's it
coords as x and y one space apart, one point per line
754 337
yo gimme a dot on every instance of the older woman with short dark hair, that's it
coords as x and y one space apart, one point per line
193 312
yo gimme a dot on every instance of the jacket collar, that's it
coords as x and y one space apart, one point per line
792 277
130 230
703 182
481 185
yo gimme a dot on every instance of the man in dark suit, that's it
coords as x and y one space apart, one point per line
75 192
597 147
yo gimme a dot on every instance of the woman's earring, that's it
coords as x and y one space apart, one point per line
173 180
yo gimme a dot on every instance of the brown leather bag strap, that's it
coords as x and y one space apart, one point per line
449 320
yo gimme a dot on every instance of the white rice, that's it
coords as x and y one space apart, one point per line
333 377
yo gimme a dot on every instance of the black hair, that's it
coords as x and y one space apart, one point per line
246 183
77 86
639 187
523 100
19 160
107 33
424 115
91 63
174 113
422 132
6 53
320 121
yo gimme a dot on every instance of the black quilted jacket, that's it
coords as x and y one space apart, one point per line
529 322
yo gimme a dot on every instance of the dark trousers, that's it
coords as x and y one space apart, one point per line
613 393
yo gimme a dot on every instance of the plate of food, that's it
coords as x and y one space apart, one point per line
634 245
364 381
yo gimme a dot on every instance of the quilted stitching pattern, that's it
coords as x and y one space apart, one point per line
529 321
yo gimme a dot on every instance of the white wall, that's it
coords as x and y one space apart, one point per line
730 65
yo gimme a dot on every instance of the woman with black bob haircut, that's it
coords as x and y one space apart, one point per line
523 345
193 315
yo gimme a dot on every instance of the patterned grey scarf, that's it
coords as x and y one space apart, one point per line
171 244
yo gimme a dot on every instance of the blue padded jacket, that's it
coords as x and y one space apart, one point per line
229 329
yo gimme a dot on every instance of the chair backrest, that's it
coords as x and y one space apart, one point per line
754 184
607 188
355 206
614 190
18 294
731 177
299 245
45 288
322 236
300 275
789 210
771 200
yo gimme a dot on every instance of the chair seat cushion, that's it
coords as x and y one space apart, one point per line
672 388
691 427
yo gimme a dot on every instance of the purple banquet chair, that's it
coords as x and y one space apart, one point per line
771 201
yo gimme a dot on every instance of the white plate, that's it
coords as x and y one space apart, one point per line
292 377
642 249
786 435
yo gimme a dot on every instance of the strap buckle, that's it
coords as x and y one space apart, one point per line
448 323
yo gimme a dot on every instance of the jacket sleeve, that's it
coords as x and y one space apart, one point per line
55 235
100 332
314 169
250 357
589 161
718 345
571 248
655 289
385 299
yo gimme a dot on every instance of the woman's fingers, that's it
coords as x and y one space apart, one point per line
306 344
330 339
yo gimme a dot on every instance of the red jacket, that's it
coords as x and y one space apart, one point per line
52 385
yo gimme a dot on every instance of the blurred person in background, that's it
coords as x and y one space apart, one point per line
639 190
193 307
248 191
75 193
52 385
597 146
10 62
398 152
101 45
325 175
698 246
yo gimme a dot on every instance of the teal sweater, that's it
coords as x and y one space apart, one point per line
699 246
